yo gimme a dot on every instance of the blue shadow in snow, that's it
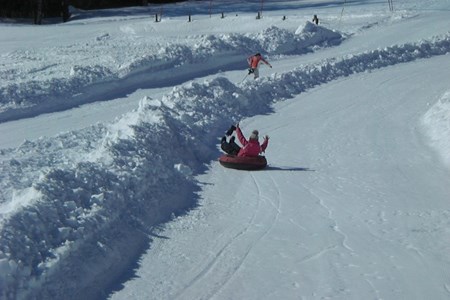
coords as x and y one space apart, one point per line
274 168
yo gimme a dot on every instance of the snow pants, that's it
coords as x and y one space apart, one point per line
230 147
254 71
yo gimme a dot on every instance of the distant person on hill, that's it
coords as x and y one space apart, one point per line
250 147
253 62
315 20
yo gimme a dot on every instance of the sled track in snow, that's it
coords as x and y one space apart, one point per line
258 236
232 256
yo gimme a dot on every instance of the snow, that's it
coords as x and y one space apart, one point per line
436 120
110 123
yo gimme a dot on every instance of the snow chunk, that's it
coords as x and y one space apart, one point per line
314 35
183 169
20 199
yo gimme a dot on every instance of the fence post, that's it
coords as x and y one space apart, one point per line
391 5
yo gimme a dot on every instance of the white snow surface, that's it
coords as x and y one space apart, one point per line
109 131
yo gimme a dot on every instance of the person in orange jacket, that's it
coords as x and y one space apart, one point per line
250 147
253 63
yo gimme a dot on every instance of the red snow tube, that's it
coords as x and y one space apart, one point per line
243 162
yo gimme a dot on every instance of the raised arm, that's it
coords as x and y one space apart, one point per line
240 136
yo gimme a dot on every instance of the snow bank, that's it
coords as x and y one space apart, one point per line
437 124
94 194
43 80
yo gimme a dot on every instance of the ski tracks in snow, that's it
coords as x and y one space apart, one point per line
232 256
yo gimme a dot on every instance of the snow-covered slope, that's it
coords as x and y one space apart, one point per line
78 209
342 212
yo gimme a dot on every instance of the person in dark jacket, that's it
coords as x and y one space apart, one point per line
315 20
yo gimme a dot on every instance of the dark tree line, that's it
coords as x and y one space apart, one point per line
97 4
39 9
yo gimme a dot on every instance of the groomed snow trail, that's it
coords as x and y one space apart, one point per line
354 204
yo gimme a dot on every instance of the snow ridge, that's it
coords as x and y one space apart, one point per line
437 126
48 89
82 200
286 85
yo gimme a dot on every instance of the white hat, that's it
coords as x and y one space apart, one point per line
254 135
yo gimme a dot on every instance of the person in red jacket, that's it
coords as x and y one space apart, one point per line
253 63
250 147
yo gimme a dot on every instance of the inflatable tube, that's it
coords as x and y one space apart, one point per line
243 162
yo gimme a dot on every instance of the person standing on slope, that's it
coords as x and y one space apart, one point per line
253 62
250 147
315 20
